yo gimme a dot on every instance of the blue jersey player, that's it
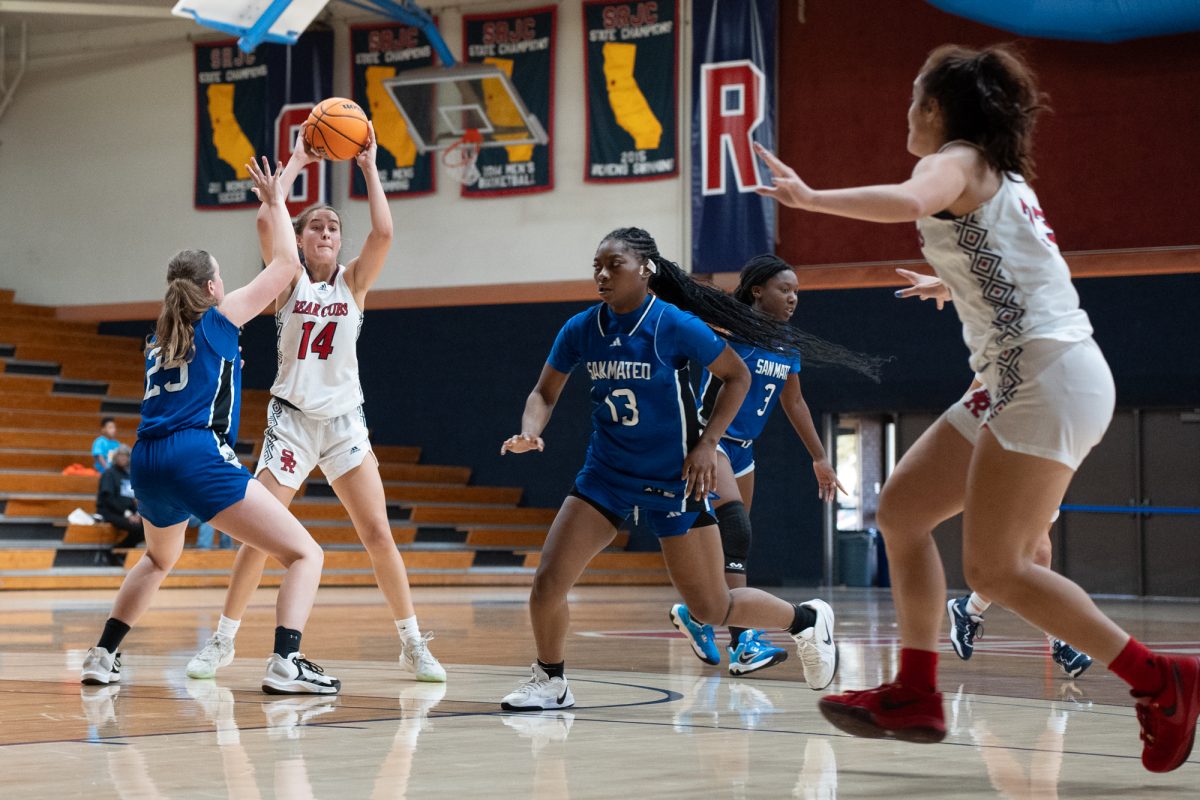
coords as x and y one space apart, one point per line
768 285
183 463
648 453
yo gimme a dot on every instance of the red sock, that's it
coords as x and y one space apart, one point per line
918 669
1137 666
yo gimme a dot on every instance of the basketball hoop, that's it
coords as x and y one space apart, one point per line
459 158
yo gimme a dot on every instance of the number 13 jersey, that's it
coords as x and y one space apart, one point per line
643 408
316 334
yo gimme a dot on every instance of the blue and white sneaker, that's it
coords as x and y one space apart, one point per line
965 627
1072 661
754 652
699 636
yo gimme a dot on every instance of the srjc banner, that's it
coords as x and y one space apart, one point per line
733 96
521 43
631 90
379 52
253 104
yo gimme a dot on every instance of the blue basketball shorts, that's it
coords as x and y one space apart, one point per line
187 473
617 503
741 457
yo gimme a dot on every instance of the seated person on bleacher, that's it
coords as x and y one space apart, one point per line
115 502
105 444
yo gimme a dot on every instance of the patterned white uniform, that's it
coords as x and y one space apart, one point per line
1050 392
315 416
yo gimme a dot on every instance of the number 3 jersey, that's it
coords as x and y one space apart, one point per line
316 334
643 408
768 373
204 392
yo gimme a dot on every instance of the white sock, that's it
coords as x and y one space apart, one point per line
227 627
409 632
977 605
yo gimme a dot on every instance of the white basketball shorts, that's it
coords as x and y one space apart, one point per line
1045 398
295 443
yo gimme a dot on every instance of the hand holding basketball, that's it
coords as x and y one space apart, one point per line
522 443
267 186
788 189
337 129
301 151
366 158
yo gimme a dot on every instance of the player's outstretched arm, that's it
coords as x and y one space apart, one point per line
538 407
301 158
363 271
796 408
937 181
700 465
242 305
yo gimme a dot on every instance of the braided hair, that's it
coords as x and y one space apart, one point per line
988 97
732 318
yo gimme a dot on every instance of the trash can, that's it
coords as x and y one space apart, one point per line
857 557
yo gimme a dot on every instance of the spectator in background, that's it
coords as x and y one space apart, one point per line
204 535
115 501
105 444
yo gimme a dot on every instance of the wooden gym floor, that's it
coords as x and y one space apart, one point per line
651 720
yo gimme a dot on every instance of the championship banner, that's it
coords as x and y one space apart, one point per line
378 52
253 104
631 88
522 44
733 96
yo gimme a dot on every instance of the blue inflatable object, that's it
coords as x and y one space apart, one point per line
1080 20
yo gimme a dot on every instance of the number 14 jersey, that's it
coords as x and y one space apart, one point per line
316 335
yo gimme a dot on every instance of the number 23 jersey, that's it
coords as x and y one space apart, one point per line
316 333
643 408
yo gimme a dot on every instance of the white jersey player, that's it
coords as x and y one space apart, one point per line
315 417
1051 396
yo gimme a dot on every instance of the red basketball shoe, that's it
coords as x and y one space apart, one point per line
1168 719
889 710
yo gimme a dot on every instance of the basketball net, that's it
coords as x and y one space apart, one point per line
459 158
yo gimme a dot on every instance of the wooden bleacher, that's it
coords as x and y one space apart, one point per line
58 378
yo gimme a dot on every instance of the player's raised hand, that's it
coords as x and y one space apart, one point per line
827 481
366 157
926 287
522 443
301 152
787 187
700 471
267 186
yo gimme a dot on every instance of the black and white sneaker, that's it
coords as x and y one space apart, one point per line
539 693
100 667
297 675
817 650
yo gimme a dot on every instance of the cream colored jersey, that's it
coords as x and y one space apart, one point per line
316 335
1009 283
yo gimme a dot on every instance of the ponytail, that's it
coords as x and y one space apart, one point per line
988 97
186 301
732 318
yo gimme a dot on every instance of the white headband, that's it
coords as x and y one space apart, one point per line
653 267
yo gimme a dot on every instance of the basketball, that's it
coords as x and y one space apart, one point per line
336 129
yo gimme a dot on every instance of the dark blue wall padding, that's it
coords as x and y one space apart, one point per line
454 380
1080 20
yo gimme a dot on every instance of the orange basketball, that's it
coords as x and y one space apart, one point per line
336 129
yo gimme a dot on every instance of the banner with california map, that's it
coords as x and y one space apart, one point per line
377 52
631 86
522 44
252 104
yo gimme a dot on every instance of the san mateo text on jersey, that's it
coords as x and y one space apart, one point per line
619 370
772 369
